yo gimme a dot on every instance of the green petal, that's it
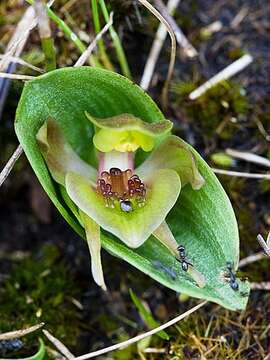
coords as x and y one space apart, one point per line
92 231
165 236
132 228
126 132
173 153
59 155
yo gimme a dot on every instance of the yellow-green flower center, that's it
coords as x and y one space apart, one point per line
106 140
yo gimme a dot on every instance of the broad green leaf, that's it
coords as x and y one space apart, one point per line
202 220
39 355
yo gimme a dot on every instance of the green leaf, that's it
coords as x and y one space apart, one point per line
147 316
39 355
202 220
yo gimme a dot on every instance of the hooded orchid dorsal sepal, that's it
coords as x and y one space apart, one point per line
130 203
127 132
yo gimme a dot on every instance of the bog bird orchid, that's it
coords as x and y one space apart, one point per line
130 203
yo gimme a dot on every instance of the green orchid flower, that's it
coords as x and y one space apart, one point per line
131 203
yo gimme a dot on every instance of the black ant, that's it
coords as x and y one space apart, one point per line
183 258
233 283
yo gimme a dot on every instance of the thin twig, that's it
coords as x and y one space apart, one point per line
225 74
247 156
156 48
264 244
18 60
251 259
16 76
181 39
264 285
9 165
59 345
141 336
85 55
154 351
242 174
212 28
173 49
239 17
20 333
19 38
14 48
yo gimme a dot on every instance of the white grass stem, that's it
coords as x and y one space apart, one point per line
247 156
225 74
173 49
186 46
251 259
242 174
20 61
264 244
85 55
59 345
156 48
19 38
16 76
9 165
20 333
141 336
264 285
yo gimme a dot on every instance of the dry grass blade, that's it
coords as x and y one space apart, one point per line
85 55
20 333
20 61
16 76
242 174
42 20
224 74
9 165
18 40
247 156
59 346
251 259
141 336
173 49
181 39
264 285
264 244
156 48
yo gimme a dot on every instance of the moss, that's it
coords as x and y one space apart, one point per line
40 289
219 110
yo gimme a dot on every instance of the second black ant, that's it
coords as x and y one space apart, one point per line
183 258
232 278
